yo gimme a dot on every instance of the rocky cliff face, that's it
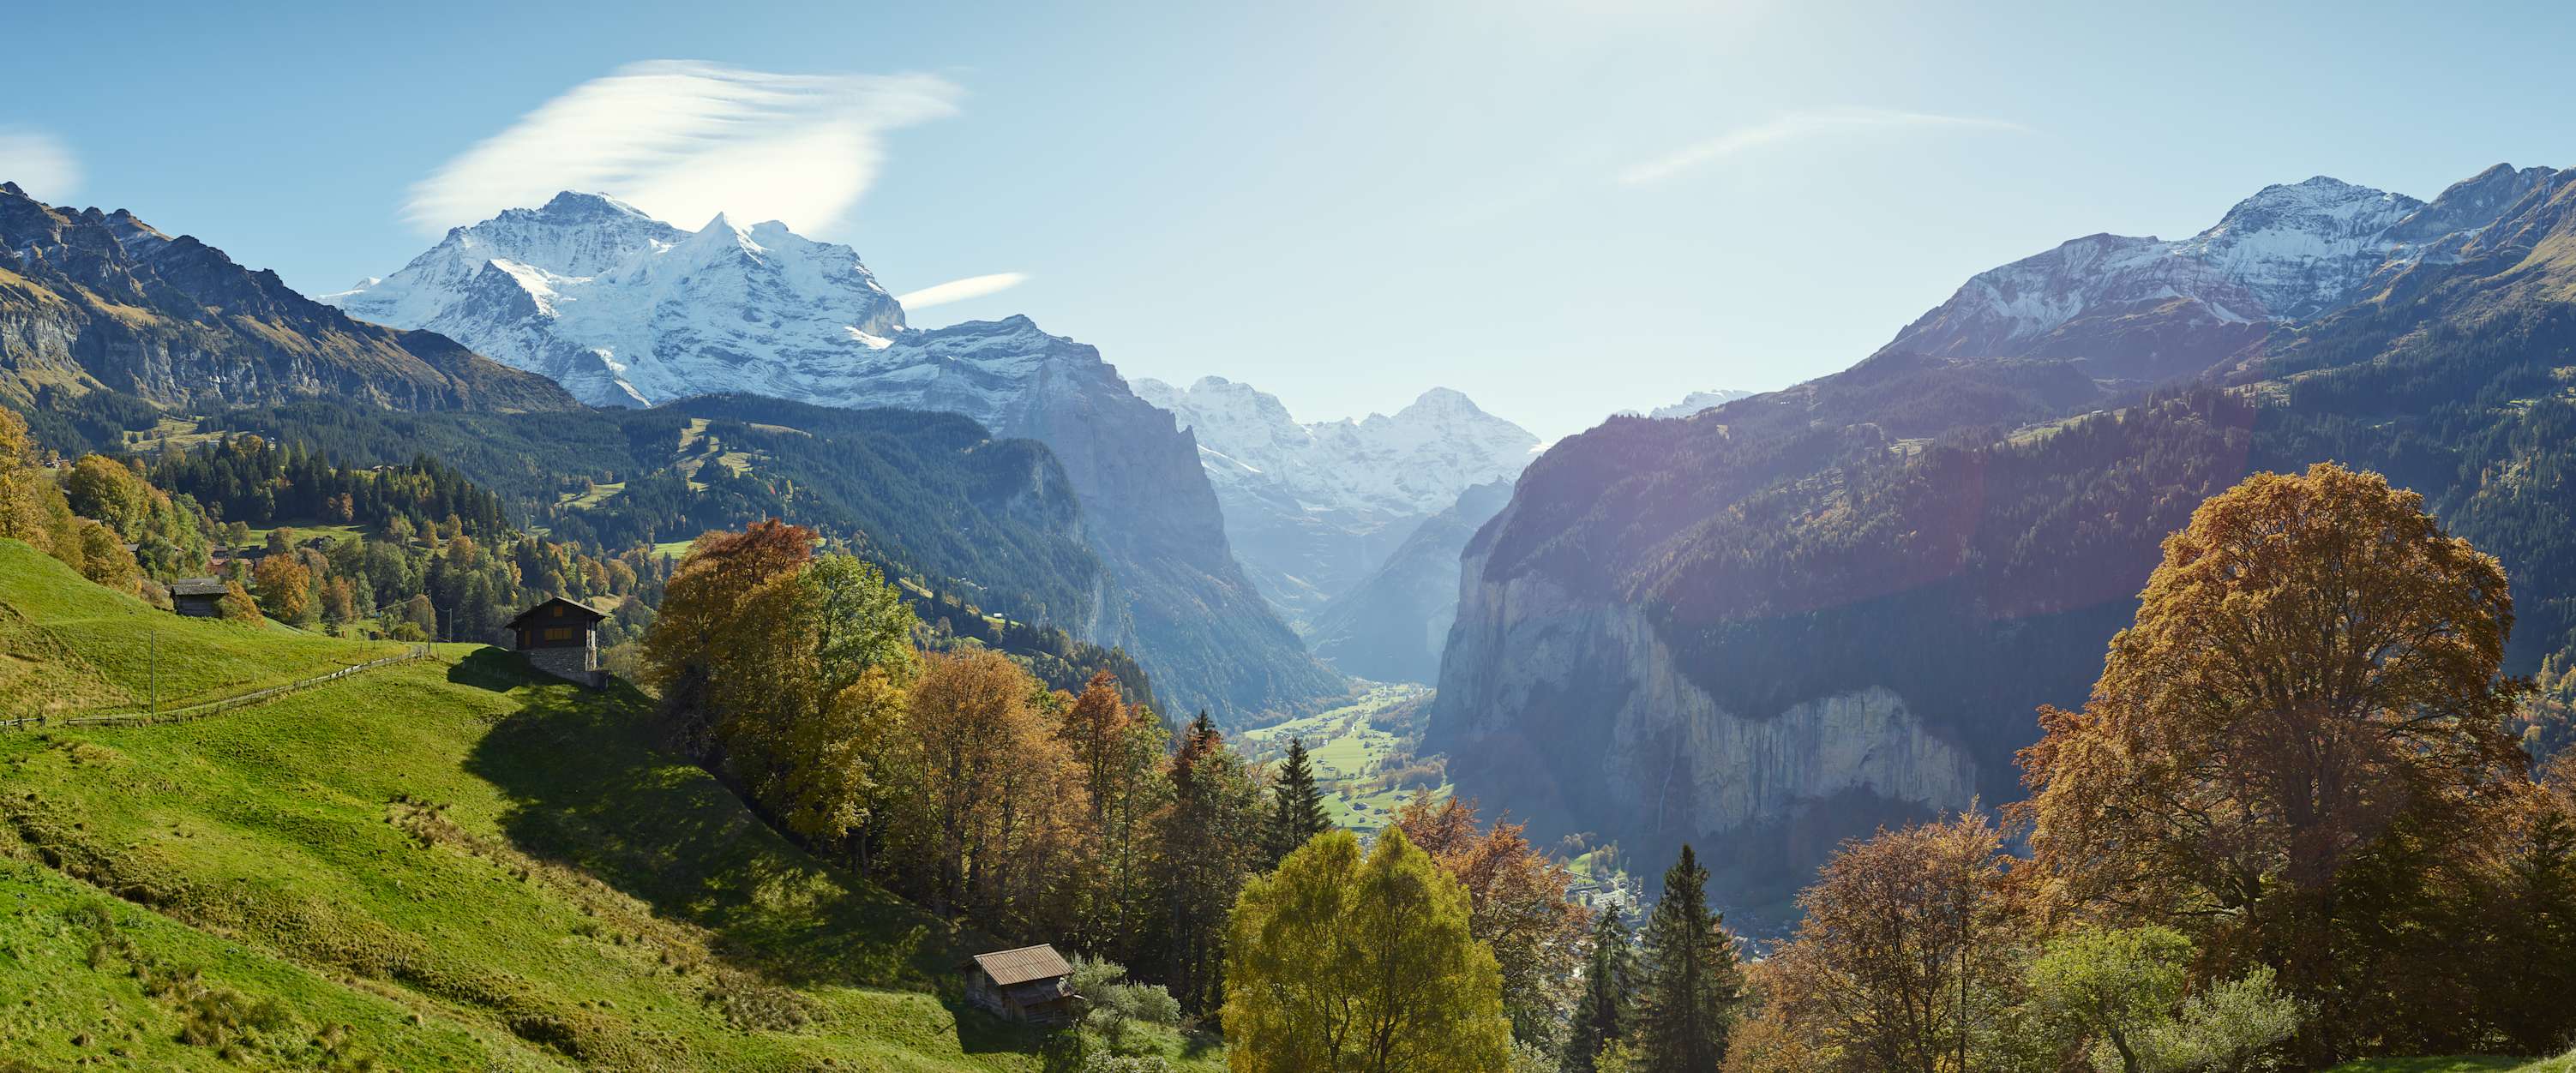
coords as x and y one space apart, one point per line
105 300
627 310
1662 749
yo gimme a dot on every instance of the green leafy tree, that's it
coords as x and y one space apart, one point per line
2111 989
1296 805
1601 1016
1342 964
2233 1027
1692 980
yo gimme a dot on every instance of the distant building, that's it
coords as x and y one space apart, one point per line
1032 983
198 597
561 638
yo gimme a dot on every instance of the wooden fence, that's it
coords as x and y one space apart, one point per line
205 708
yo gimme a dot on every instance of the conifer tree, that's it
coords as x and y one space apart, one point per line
1692 980
1296 807
1601 1016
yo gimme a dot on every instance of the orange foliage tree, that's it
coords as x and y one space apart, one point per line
2305 723
1518 906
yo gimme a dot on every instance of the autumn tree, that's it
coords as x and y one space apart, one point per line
1208 840
1602 1015
105 561
1338 963
32 508
787 672
987 818
1904 962
284 586
1519 903
2310 691
1690 979
1120 754
236 605
104 489
1296 805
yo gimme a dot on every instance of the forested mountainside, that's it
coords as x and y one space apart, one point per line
1784 621
1391 626
104 300
763 311
992 521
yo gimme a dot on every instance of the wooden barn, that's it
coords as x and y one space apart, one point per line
1032 983
198 597
561 638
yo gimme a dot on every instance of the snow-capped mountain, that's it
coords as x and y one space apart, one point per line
1312 508
2150 309
626 310
1697 401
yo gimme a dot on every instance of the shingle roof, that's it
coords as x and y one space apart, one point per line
197 586
1020 966
593 612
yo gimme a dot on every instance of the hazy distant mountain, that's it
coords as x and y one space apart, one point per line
627 310
106 300
1390 627
1835 606
1697 401
1312 509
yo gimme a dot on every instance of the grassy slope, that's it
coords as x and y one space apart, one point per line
465 867
2565 1063
65 643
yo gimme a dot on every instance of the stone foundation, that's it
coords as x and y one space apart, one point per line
569 663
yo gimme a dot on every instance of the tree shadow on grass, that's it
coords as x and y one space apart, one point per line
589 789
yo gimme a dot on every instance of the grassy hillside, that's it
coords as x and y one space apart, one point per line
2565 1063
445 864
65 643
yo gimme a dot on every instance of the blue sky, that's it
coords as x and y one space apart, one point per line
1562 209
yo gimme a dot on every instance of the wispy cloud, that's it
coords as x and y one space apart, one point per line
1797 126
684 140
959 290
39 163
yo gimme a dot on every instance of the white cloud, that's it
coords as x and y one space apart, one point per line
1796 126
959 290
39 163
684 140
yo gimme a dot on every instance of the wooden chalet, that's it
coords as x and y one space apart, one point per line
1032 983
561 638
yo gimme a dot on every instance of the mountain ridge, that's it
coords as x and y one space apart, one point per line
102 300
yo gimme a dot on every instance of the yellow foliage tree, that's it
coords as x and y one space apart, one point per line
1337 963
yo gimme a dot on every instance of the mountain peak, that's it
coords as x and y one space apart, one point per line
574 204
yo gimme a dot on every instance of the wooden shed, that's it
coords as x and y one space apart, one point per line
198 597
561 637
1032 983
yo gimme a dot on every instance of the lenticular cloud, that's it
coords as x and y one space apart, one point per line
684 140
